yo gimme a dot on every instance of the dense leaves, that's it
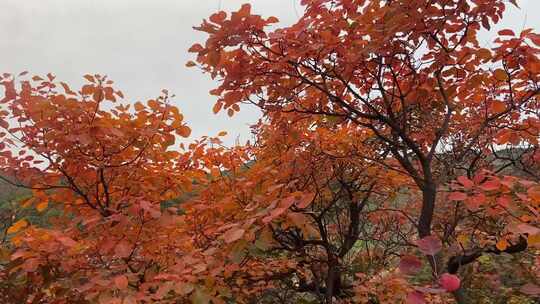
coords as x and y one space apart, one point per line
396 162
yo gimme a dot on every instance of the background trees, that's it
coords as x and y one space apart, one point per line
396 162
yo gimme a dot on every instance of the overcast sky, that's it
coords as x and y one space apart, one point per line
142 46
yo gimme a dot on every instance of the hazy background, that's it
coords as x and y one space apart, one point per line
142 46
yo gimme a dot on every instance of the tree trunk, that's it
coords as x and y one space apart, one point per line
330 279
429 194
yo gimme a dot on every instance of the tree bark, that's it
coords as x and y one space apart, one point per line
429 195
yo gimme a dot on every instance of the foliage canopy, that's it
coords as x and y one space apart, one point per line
396 161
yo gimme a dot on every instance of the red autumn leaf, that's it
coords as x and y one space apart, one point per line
457 196
245 10
490 185
530 289
67 241
535 38
526 228
218 17
506 32
449 282
122 249
344 115
31 265
410 264
272 19
416 297
196 48
474 203
465 182
429 245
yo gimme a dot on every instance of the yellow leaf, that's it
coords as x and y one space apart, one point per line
502 245
222 133
17 226
42 206
463 240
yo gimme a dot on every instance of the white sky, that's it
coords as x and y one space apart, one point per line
142 46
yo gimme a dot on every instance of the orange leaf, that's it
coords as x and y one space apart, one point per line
500 75
217 107
533 240
218 17
139 106
154 105
89 77
121 282
183 131
305 200
502 245
20 224
233 235
498 106
42 205
534 193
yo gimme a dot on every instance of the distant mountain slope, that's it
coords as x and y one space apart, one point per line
9 192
